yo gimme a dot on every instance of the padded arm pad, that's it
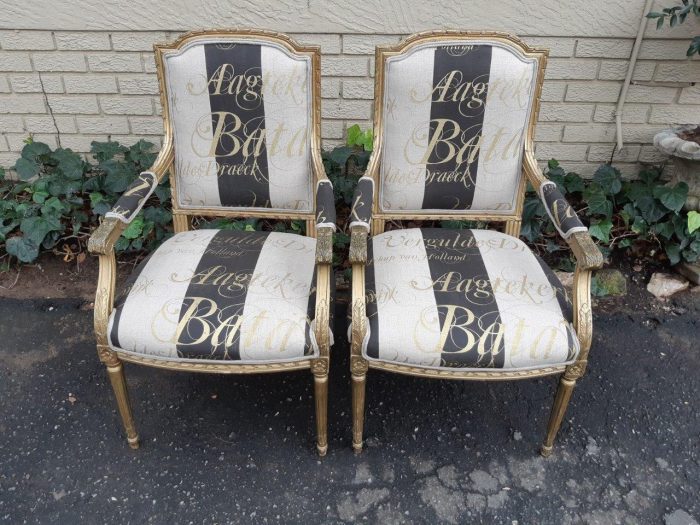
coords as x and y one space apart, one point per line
562 214
325 205
132 200
361 213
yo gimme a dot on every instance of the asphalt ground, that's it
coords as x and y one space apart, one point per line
227 449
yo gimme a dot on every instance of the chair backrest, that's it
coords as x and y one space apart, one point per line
242 111
453 113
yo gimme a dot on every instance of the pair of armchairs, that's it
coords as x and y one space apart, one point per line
454 119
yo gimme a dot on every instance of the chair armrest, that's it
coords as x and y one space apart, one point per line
325 221
563 216
134 197
102 240
360 219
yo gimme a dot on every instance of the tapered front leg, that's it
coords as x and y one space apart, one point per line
320 371
115 371
358 410
561 401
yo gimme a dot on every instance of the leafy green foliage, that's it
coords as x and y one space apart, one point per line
640 216
60 196
677 15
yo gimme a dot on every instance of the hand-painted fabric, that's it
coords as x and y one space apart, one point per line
221 295
466 299
560 211
241 114
455 117
361 212
132 200
325 205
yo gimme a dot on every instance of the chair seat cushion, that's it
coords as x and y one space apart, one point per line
466 299
221 295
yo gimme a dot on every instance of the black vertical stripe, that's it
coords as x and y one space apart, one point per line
216 296
310 315
465 299
235 95
371 303
567 309
460 86
121 299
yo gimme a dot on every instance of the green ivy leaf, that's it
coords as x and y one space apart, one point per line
36 228
673 253
35 149
70 163
601 230
354 134
368 140
341 154
39 196
26 168
650 209
598 203
609 179
134 229
673 197
693 221
573 182
103 151
24 249
664 229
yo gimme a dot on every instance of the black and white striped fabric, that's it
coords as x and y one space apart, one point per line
455 116
221 295
560 211
466 299
325 205
362 199
241 115
134 197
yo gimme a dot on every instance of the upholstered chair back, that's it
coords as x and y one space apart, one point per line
455 116
241 113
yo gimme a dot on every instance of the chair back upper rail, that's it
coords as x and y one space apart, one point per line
242 110
454 113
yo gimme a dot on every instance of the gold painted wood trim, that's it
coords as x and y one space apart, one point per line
223 368
324 274
471 375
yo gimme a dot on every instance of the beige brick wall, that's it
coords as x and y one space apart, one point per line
79 86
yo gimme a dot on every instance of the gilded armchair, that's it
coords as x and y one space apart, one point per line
454 120
242 139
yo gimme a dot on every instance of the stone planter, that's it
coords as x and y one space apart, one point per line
686 161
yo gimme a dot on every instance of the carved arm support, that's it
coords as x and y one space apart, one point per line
102 242
588 257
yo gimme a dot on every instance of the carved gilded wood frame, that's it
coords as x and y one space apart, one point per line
587 254
103 239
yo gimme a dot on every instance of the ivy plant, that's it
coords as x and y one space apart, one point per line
677 15
60 196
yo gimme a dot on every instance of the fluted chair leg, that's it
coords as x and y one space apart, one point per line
358 409
115 371
561 401
321 394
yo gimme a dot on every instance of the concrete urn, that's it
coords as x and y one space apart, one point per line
680 143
